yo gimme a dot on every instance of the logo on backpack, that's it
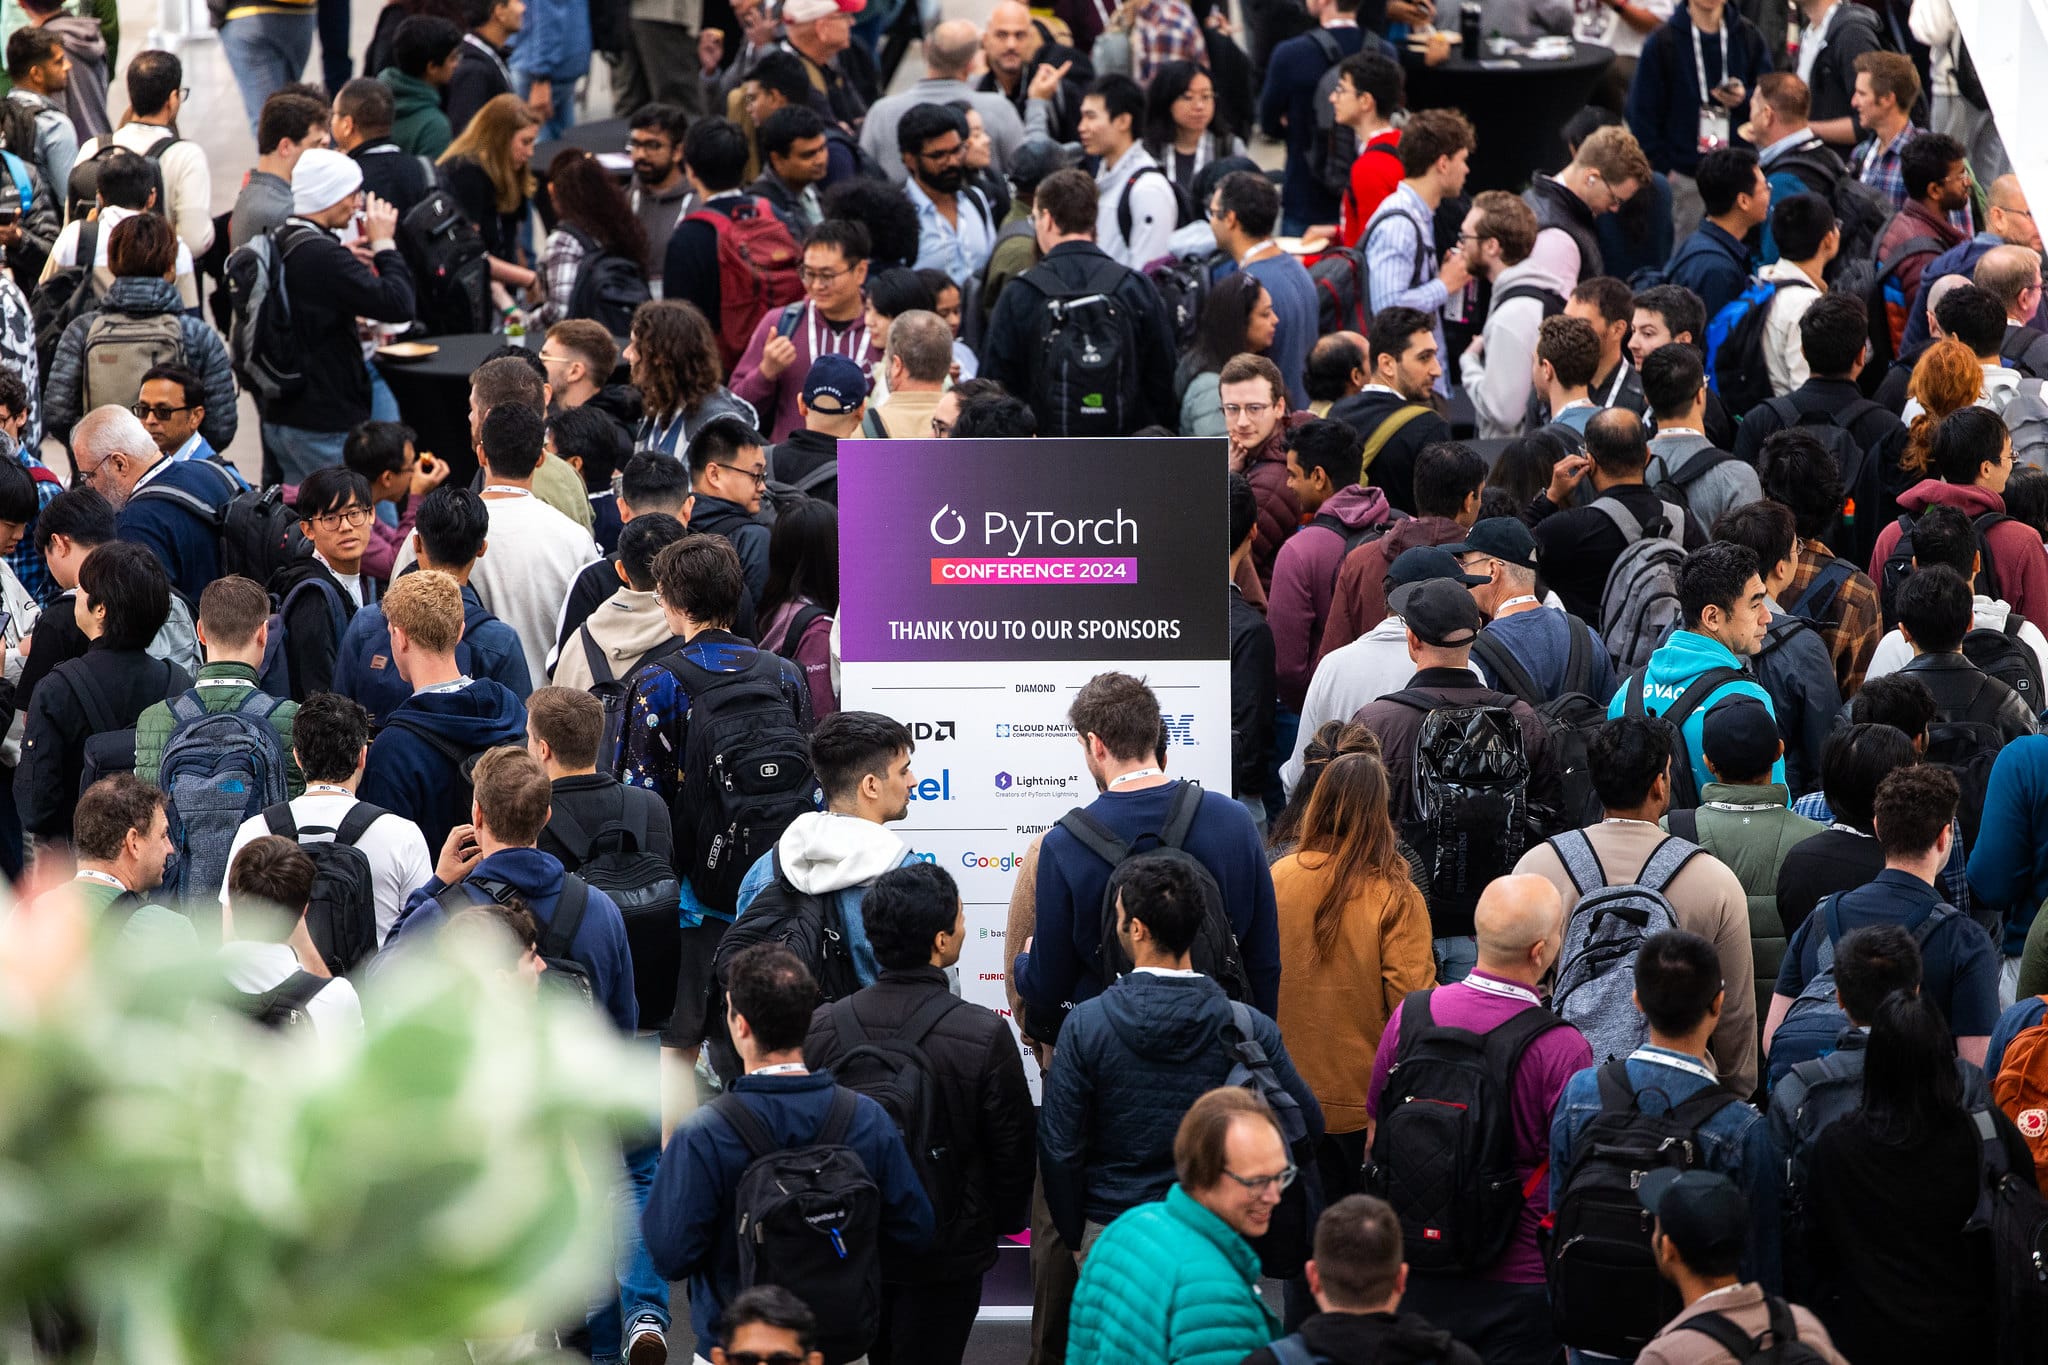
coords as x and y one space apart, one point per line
1084 381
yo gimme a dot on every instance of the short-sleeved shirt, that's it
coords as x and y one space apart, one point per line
1958 964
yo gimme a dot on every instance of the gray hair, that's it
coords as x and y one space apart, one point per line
924 343
112 430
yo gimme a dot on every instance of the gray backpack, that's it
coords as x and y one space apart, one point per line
1596 969
1639 605
2026 417
219 768
122 347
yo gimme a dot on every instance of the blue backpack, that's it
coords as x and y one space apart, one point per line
219 768
274 676
1813 1023
1737 367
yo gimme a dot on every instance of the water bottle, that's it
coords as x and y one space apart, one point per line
1470 18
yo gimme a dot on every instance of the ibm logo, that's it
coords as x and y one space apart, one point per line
1180 729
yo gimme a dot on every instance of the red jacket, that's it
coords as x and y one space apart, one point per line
2016 554
1360 602
1373 178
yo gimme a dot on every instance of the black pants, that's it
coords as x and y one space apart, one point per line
1338 1158
926 1324
1507 1324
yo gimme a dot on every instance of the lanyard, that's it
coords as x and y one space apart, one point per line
1690 1065
1699 60
1259 251
1851 829
224 682
440 689
1136 776
481 46
1516 602
852 352
508 490
1506 990
329 789
783 1069
103 878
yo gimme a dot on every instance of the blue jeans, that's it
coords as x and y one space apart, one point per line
299 452
266 52
1456 956
642 1291
564 114
383 404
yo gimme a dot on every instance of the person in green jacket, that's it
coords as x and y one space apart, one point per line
1178 1280
121 836
424 54
1744 821
234 627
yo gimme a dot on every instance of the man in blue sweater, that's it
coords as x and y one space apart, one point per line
1117 720
419 763
691 1212
1287 109
167 506
448 535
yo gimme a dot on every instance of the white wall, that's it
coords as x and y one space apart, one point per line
2008 40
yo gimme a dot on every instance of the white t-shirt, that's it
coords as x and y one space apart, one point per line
1893 653
1603 26
526 571
400 862
64 254
1349 677
336 1011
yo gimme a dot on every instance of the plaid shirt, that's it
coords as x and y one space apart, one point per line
1853 622
1881 168
25 559
560 258
1166 31
1955 881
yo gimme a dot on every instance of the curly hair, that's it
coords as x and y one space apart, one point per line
587 198
675 363
1948 377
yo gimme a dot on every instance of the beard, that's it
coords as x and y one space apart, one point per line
949 180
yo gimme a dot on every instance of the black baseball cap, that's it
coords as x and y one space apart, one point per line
1502 538
1439 612
1420 563
1703 1213
1740 739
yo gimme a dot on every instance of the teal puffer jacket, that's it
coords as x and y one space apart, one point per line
1172 1283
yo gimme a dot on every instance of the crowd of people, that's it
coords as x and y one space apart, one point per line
1620 932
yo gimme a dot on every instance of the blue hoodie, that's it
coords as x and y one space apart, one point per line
600 942
363 667
174 515
409 776
1678 661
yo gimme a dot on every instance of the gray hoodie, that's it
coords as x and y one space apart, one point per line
85 99
1728 484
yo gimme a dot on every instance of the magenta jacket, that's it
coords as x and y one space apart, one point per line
1304 575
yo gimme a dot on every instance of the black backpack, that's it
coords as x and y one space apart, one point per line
1861 467
263 344
1333 146
1284 1247
896 1073
1898 565
1966 741
608 286
1444 1152
1570 719
68 294
746 774
611 688
1183 283
2015 1216
284 1005
1184 211
557 936
1215 953
1785 1349
1468 810
811 1216
1685 794
2001 654
1605 1292
450 268
109 748
341 917
1343 283
1085 382
618 859
260 535
809 926
82 188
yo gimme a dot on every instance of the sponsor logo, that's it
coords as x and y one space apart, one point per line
1180 729
1035 782
1034 730
1015 534
938 788
924 857
992 862
933 730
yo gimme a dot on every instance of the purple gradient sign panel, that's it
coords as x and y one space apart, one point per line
1084 549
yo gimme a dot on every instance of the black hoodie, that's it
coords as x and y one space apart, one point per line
1375 1339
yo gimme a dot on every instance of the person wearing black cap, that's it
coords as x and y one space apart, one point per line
1524 631
1441 622
1702 1226
1372 665
1743 820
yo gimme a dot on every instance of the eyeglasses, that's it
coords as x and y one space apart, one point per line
1233 411
647 144
1259 1184
944 153
347 516
161 411
184 92
810 276
759 476
769 1358
547 359
941 429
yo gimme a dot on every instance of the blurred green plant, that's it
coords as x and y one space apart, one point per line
201 1192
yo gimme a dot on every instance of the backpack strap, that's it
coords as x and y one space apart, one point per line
1578 661
1581 861
2013 622
1180 815
98 712
296 991
1667 860
185 707
278 819
1704 686
839 1118
1823 588
871 426
1095 836
1390 426
745 1125
1617 1091
1507 669
357 822
594 655
1503 1045
926 1017
1685 824
1727 1335
569 830
1623 519
568 917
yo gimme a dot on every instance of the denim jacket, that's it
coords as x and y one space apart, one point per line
1735 1142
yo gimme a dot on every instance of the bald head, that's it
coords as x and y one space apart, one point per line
1519 922
2012 275
1011 40
2007 215
1938 291
949 50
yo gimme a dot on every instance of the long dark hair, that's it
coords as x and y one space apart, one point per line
1910 1085
1347 833
1523 469
587 198
1332 740
1169 82
1226 317
803 558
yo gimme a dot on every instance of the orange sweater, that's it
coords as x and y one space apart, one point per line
1333 1012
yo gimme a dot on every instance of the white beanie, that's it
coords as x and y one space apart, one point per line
322 179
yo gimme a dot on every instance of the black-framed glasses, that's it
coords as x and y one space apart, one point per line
941 429
163 412
347 516
759 476
764 1358
1259 1184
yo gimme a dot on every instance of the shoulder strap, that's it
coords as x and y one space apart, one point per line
1823 587
296 991
1095 836
1704 686
1686 825
569 830
87 689
569 908
1180 815
1724 1333
1390 426
1506 668
278 820
156 149
926 1016
594 655
1578 662
1581 861
839 1118
357 822
1623 519
1326 43
741 1119
1667 860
